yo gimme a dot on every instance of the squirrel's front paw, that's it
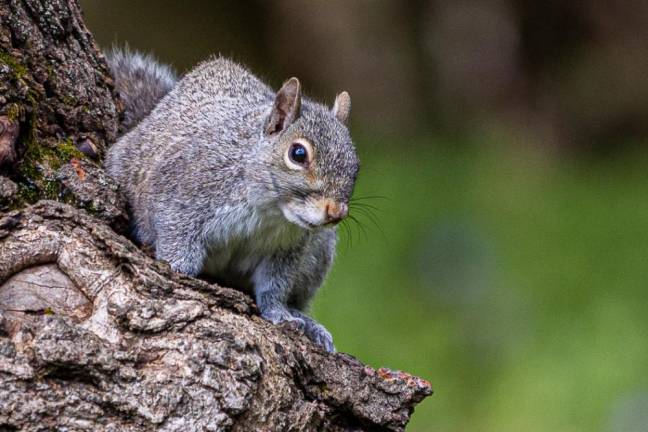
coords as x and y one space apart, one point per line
278 316
311 328
315 331
318 334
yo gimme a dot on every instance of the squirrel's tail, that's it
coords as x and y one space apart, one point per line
141 82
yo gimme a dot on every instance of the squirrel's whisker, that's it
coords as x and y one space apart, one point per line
369 215
368 197
365 206
373 219
362 228
347 234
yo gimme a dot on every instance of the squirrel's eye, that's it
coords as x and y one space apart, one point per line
299 155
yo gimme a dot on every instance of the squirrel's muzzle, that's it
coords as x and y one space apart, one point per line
335 211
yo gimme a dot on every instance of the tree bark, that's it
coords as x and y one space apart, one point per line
96 335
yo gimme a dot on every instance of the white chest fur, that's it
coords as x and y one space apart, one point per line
241 237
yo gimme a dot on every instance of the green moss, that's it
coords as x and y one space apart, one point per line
325 390
35 173
69 100
48 157
19 70
14 111
28 167
67 150
90 208
51 189
27 193
38 167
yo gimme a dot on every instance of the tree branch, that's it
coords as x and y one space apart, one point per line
96 335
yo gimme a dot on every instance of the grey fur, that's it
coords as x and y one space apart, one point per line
141 81
211 189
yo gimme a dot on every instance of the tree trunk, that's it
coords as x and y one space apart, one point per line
96 335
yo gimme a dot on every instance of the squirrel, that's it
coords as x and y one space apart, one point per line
226 178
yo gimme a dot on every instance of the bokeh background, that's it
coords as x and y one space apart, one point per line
504 150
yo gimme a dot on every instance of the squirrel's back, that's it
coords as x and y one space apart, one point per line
216 102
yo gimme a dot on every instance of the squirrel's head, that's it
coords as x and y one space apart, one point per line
313 158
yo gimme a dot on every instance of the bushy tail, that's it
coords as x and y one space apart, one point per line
141 82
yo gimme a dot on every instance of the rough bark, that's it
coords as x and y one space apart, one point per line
94 334
56 96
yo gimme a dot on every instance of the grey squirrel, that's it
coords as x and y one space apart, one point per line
229 179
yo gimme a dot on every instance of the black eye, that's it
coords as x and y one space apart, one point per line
298 154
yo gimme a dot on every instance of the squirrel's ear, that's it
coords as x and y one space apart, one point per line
286 108
342 107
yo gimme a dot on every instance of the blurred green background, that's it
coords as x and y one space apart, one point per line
504 150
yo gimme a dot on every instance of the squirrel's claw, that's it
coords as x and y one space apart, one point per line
294 318
315 331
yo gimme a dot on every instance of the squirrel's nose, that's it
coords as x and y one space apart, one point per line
336 211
